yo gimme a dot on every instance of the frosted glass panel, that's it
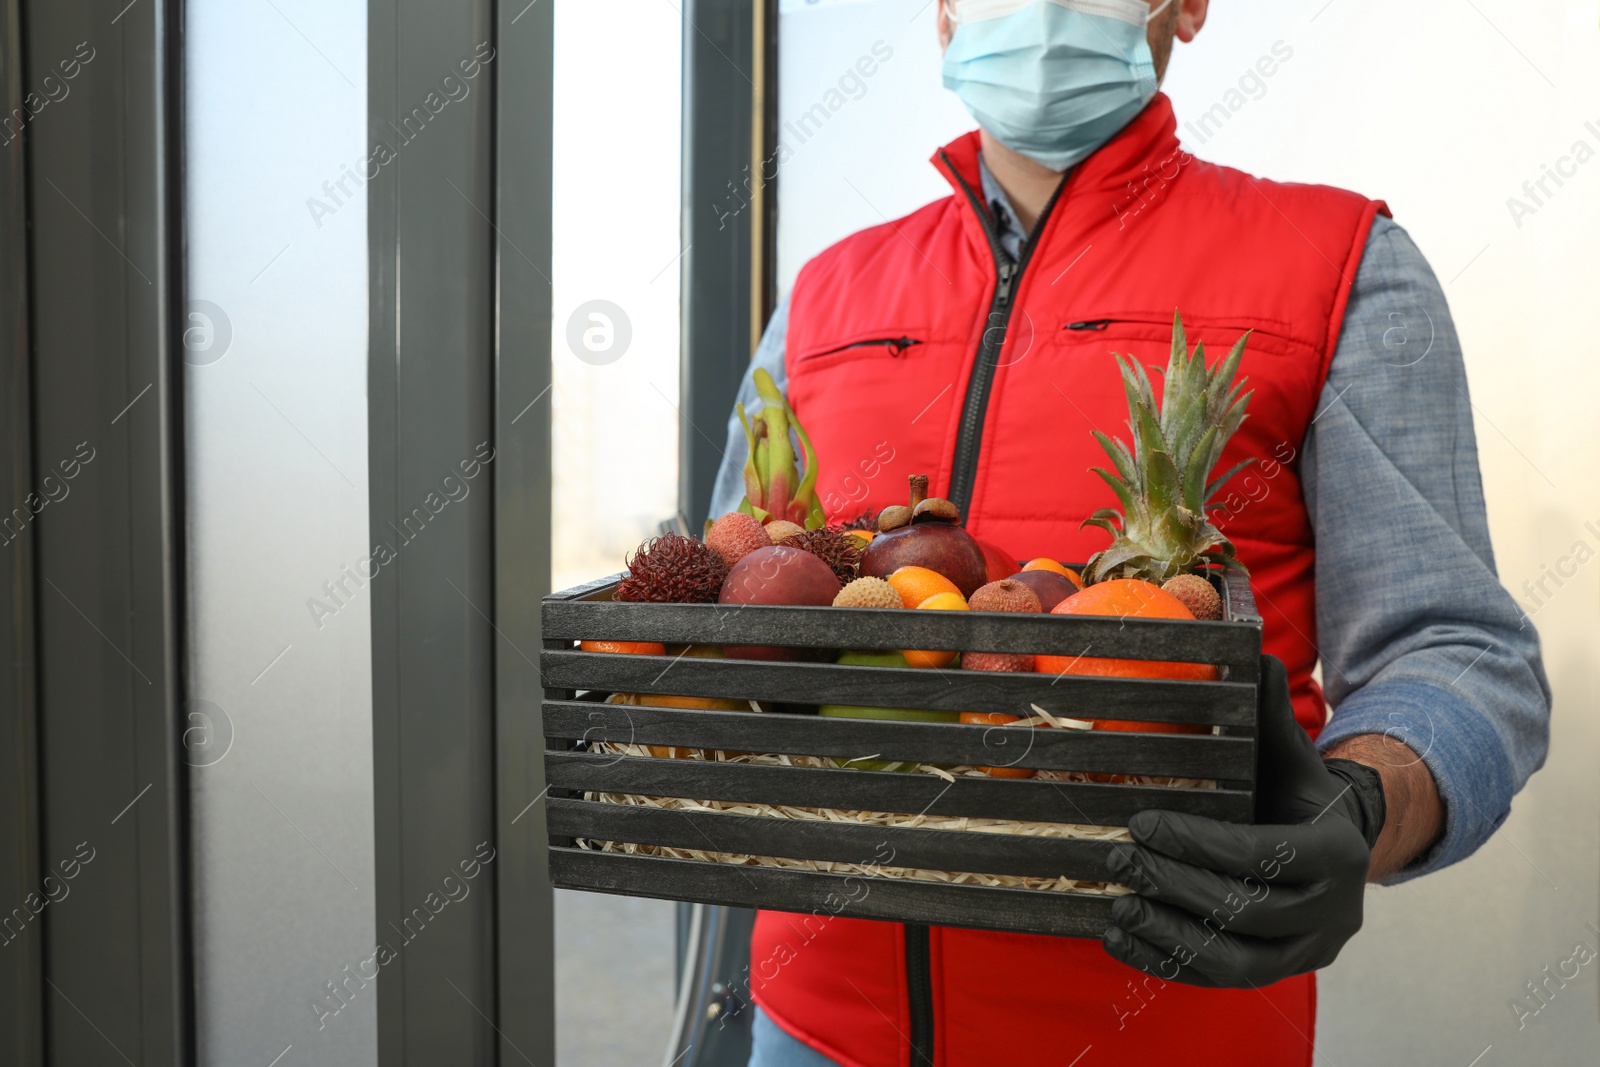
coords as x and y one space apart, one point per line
617 252
1476 122
280 661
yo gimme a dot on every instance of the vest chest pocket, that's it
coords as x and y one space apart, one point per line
879 344
1283 371
1220 334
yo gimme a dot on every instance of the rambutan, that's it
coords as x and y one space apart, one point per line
1197 594
839 551
673 569
867 520
735 536
869 593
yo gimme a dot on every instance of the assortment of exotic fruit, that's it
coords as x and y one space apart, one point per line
779 548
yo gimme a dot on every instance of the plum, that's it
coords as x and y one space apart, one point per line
1051 587
777 575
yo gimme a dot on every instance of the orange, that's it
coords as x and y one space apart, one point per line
865 536
692 703
951 601
1136 599
1045 563
996 718
916 584
661 701
631 648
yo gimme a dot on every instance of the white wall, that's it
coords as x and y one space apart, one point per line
1444 108
277 451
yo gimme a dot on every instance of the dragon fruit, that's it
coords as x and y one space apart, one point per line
774 488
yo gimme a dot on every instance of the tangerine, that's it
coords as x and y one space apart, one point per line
951 601
1137 599
630 648
996 718
916 584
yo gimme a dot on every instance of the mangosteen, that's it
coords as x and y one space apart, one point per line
927 534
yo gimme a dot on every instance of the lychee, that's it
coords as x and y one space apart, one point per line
781 529
997 661
1005 595
735 536
868 593
1197 594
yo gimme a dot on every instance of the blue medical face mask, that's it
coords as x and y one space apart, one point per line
1052 79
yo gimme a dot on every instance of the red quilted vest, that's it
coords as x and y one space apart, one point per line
884 332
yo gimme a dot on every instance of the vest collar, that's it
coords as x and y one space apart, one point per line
1141 145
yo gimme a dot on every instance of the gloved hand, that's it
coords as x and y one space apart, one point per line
1224 905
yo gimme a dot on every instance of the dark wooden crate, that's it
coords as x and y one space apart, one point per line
572 718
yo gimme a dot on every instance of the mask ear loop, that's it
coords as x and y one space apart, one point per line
1152 16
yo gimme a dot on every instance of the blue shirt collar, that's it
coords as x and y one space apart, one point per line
1010 230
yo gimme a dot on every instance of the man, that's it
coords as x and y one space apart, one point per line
973 340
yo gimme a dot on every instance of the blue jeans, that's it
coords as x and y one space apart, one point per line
771 1047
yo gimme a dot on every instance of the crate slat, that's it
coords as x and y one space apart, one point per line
854 790
1142 699
972 851
598 590
824 895
968 631
1095 752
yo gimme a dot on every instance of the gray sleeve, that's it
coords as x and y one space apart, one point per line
1417 636
729 489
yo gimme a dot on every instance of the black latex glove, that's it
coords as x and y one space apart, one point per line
1221 904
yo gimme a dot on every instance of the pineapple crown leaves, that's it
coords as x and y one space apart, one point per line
770 478
1163 482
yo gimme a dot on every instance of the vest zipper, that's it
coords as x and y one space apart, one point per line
964 467
919 990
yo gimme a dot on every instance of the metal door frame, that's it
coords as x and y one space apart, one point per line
459 232
93 588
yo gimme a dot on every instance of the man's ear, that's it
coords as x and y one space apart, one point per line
946 31
1191 18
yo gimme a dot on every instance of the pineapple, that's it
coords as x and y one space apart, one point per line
1162 530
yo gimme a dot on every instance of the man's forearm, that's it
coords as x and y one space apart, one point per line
1415 814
